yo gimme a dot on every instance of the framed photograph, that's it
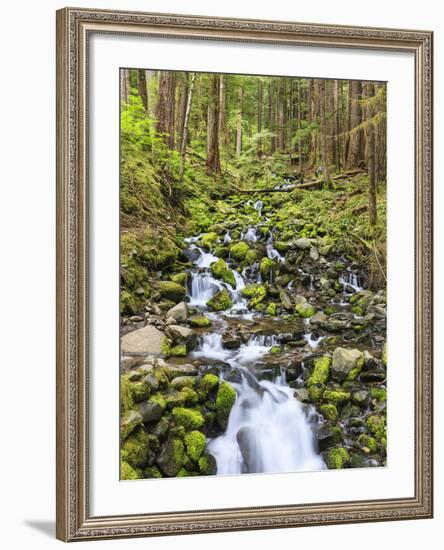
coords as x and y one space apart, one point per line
244 276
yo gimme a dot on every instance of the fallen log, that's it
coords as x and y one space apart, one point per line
305 185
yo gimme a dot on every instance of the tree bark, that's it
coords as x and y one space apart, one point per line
239 122
141 88
260 100
213 158
281 115
182 106
322 136
166 106
183 145
356 143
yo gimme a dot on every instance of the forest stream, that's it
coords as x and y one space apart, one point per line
295 341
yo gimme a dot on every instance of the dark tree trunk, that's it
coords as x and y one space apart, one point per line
166 106
141 88
322 136
181 110
183 145
260 100
239 122
355 155
213 159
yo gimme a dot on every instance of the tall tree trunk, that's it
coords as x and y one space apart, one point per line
141 88
299 126
281 115
356 142
260 100
124 90
181 109
271 125
183 145
371 154
166 106
239 122
322 136
337 124
223 135
213 159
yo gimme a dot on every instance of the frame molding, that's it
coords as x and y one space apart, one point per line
73 521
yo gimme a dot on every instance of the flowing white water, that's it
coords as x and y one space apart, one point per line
258 205
249 235
350 279
203 287
272 253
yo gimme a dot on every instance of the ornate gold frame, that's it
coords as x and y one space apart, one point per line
73 519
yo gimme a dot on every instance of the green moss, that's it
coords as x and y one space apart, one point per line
220 301
126 396
330 412
195 444
208 383
321 371
305 310
250 290
368 442
271 309
220 270
171 291
152 472
226 396
208 240
337 458
376 425
384 354
207 465
127 472
238 251
180 278
178 351
316 391
282 246
378 393
259 297
159 399
338 397
134 449
130 304
267 268
253 255
190 419
357 310
189 396
140 391
199 321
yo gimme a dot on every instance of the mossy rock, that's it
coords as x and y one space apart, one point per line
220 301
190 419
178 351
189 396
220 270
171 458
152 472
171 291
321 371
134 449
130 303
376 425
180 278
253 255
250 290
305 310
367 443
267 268
282 246
271 309
238 251
384 354
128 423
195 444
329 411
207 465
316 392
337 397
226 396
337 458
127 472
208 240
258 298
126 395
208 383
199 321
380 394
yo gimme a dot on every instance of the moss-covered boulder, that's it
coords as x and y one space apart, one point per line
199 321
207 465
171 458
258 297
180 278
208 383
254 255
367 443
238 251
128 423
195 444
220 270
220 301
208 240
337 397
328 436
134 449
127 472
267 268
329 411
321 371
337 458
305 310
190 419
171 291
226 396
346 364
271 309
376 425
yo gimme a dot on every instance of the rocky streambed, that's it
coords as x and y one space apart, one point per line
262 352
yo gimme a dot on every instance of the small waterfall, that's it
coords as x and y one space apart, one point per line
227 238
350 279
313 342
249 235
272 253
258 206
202 287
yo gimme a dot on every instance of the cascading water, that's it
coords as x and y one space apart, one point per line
268 429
